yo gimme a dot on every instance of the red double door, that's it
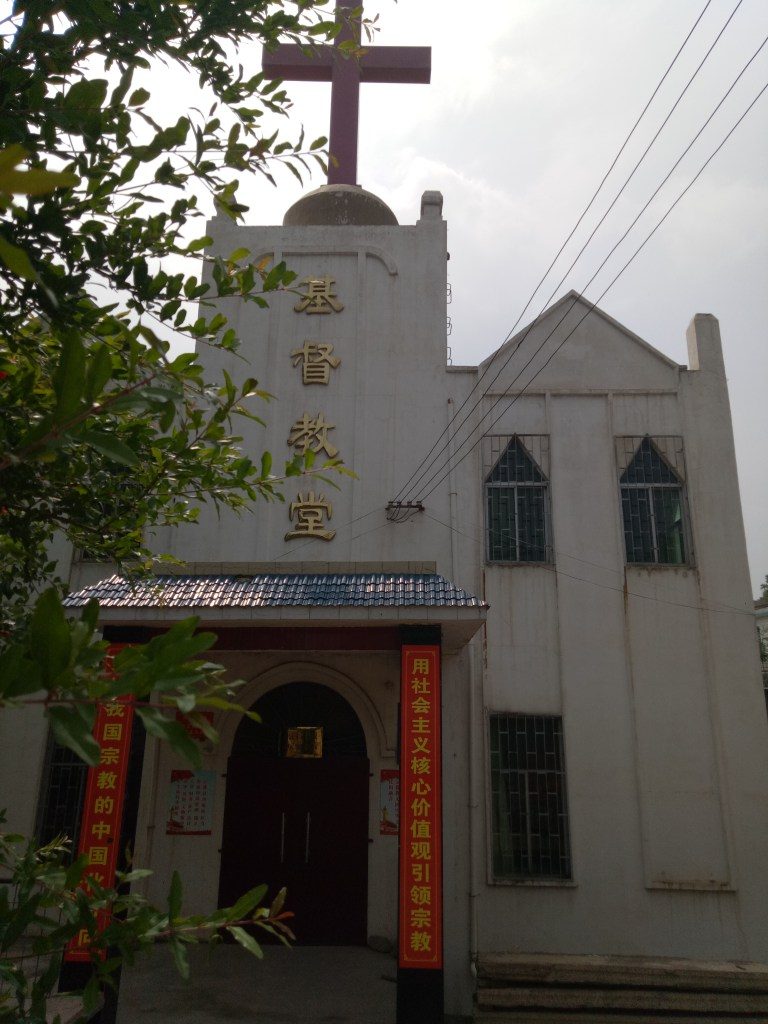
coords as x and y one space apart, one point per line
302 824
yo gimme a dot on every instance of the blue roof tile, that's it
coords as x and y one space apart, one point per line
270 590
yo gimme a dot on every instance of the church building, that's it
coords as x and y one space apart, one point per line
512 716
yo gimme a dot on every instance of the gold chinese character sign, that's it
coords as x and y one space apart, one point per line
319 296
310 434
317 361
307 513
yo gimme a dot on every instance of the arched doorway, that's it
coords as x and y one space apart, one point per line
296 812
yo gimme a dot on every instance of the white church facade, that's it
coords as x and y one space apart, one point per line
582 571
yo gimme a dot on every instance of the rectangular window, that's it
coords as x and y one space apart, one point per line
63 792
529 800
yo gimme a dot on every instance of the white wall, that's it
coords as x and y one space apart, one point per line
653 670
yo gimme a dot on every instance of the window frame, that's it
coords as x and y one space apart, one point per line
62 770
491 459
669 449
531 879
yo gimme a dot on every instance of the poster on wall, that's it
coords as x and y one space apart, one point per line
389 802
190 803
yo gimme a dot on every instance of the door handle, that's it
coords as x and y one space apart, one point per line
306 838
282 837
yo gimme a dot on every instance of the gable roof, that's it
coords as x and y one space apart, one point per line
572 299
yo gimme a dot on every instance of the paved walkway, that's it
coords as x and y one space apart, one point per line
310 984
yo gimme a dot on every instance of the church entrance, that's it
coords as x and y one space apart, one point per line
296 812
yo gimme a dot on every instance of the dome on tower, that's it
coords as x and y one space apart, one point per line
339 205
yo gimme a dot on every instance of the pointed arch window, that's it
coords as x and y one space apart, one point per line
653 505
517 505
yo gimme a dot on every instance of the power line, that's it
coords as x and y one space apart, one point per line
341 526
554 568
519 374
420 470
592 307
600 267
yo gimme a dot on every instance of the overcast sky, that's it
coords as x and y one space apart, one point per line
524 114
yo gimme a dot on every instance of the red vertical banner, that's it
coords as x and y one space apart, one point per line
103 807
421 871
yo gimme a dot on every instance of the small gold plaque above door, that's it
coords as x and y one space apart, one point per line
304 741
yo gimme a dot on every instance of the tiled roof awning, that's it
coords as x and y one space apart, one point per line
290 599
371 590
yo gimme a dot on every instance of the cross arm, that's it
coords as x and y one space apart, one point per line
403 64
409 64
289 61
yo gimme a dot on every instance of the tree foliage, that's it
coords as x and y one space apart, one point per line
107 430
99 201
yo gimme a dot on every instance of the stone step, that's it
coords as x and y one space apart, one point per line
569 1017
657 1001
498 970
67 1008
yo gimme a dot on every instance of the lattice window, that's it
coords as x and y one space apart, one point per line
653 500
62 795
517 498
529 800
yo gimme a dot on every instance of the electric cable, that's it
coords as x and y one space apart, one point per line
591 308
421 469
600 267
554 568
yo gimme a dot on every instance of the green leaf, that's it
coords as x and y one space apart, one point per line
22 916
177 736
34 181
86 95
246 941
247 903
18 674
199 721
179 951
90 614
275 276
138 97
73 732
16 260
110 446
91 995
99 372
10 156
266 464
69 379
50 640
278 903
200 243
186 703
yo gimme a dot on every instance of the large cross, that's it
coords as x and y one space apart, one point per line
410 64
